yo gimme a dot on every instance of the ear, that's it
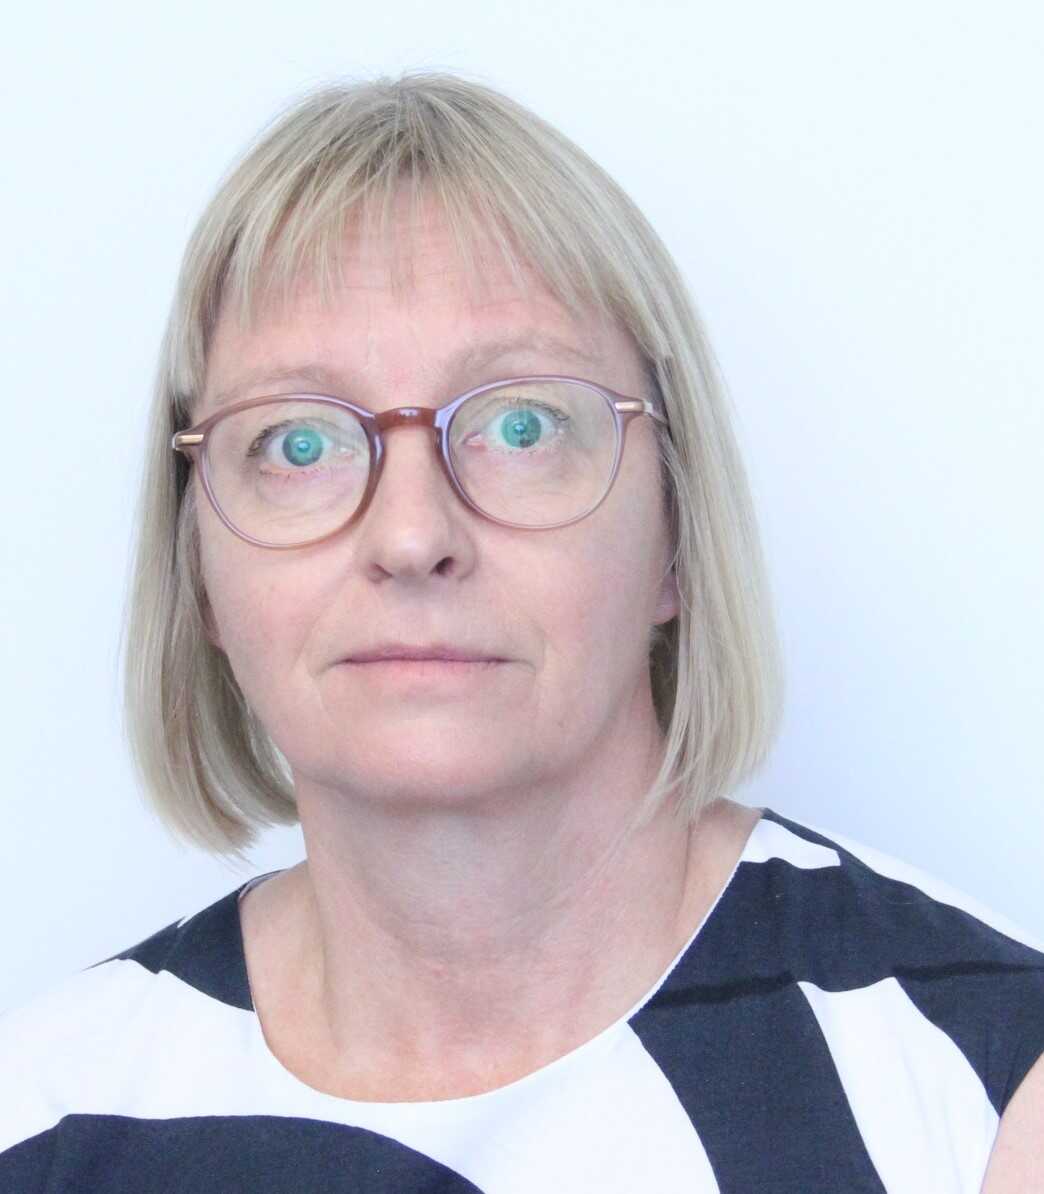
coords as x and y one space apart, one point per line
668 603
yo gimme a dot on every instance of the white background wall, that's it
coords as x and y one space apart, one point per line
854 193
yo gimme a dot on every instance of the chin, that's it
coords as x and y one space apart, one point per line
416 774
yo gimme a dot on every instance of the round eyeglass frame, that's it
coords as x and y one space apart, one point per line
193 443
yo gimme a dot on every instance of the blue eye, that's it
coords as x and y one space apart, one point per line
296 443
302 446
527 424
521 428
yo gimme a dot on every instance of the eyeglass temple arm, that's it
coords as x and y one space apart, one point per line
640 406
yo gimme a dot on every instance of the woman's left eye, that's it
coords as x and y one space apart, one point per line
526 426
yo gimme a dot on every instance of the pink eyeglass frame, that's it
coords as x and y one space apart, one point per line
193 443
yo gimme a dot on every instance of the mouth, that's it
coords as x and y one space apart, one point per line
429 663
403 677
433 654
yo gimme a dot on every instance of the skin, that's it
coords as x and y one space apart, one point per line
474 901
1017 1161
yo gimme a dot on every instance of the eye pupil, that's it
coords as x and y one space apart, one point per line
303 446
521 428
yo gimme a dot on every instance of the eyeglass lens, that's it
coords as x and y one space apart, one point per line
533 454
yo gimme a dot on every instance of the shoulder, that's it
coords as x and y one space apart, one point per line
874 938
890 883
838 994
92 1039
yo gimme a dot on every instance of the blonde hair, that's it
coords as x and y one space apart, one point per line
344 151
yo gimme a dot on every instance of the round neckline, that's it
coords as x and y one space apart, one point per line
601 1040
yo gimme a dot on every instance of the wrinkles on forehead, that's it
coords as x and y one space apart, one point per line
472 358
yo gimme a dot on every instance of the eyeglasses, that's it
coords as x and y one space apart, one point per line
535 453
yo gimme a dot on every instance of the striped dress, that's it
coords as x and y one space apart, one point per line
839 1022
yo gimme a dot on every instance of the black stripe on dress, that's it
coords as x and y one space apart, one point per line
243 1154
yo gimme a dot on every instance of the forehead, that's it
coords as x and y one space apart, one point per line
414 312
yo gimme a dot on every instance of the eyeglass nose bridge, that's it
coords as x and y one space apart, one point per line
406 416
435 419
432 418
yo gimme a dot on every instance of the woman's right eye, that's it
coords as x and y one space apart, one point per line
296 445
300 446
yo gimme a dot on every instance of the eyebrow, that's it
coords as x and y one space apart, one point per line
472 357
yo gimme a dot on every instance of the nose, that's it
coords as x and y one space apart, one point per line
415 526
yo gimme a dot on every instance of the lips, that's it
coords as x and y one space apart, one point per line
439 652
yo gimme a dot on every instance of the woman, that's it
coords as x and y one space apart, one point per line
446 551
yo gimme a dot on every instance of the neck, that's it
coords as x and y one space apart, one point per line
460 946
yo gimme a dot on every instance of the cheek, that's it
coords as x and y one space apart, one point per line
260 617
600 593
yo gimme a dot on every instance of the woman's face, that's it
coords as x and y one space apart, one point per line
566 612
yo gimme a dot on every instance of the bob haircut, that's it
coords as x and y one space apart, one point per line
501 175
